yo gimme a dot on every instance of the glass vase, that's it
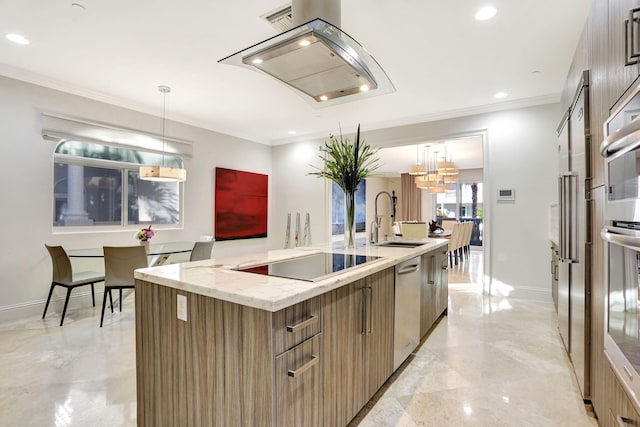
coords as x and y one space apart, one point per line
349 220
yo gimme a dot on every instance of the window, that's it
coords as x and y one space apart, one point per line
446 203
98 185
463 202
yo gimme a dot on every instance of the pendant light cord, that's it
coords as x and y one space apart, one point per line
164 90
164 122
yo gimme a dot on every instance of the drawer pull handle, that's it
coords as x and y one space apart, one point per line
432 279
313 319
624 421
628 372
301 370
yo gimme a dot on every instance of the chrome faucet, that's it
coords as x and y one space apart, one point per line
375 225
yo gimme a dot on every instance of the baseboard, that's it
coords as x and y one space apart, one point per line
14 312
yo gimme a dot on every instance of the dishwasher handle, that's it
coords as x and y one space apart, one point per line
410 268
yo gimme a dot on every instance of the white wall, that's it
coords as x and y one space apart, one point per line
27 199
298 192
428 201
519 147
520 152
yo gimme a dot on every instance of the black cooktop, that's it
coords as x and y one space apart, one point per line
311 267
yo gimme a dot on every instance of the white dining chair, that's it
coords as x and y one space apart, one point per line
414 230
201 250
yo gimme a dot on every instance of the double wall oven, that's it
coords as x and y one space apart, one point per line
621 150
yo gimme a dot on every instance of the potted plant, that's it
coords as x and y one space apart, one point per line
347 164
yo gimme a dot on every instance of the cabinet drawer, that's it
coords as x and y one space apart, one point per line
622 410
298 385
295 324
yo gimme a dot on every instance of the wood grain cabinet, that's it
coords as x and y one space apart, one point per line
357 351
606 48
316 363
624 46
434 293
621 411
228 364
299 385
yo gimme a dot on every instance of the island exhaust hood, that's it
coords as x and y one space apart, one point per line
323 63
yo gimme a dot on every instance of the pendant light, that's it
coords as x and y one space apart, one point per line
419 168
429 179
161 172
446 166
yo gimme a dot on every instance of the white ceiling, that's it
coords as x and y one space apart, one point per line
466 153
442 62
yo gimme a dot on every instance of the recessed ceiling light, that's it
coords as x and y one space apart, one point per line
304 43
257 61
17 38
323 97
485 13
500 95
292 132
364 88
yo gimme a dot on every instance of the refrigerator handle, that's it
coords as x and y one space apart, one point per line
568 216
573 217
561 217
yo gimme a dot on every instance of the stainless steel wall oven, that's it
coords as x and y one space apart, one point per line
621 150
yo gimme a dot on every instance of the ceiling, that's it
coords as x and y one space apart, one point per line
442 61
466 153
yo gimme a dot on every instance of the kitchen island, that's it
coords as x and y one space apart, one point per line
216 346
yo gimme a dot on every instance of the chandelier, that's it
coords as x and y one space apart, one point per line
439 174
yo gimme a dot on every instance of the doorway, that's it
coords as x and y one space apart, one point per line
464 200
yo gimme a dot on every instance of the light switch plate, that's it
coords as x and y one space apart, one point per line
182 307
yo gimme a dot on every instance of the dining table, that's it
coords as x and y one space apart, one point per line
445 234
159 252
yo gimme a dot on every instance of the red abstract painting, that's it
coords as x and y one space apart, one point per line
240 204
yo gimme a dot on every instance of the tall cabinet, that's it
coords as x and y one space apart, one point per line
609 47
574 261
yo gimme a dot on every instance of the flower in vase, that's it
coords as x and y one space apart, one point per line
145 234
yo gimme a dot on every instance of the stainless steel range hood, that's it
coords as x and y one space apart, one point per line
324 64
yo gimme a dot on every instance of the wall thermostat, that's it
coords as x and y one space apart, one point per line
506 194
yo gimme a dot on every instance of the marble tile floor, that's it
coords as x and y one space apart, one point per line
492 361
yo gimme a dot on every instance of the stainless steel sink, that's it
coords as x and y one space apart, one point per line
400 244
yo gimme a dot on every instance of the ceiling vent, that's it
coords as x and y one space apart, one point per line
281 19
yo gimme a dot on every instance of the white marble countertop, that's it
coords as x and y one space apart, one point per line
219 278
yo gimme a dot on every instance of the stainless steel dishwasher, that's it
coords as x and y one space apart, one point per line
406 334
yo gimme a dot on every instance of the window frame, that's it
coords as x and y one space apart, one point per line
124 168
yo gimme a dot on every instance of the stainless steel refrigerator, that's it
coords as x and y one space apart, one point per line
574 287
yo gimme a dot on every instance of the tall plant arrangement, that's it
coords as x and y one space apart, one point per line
347 163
